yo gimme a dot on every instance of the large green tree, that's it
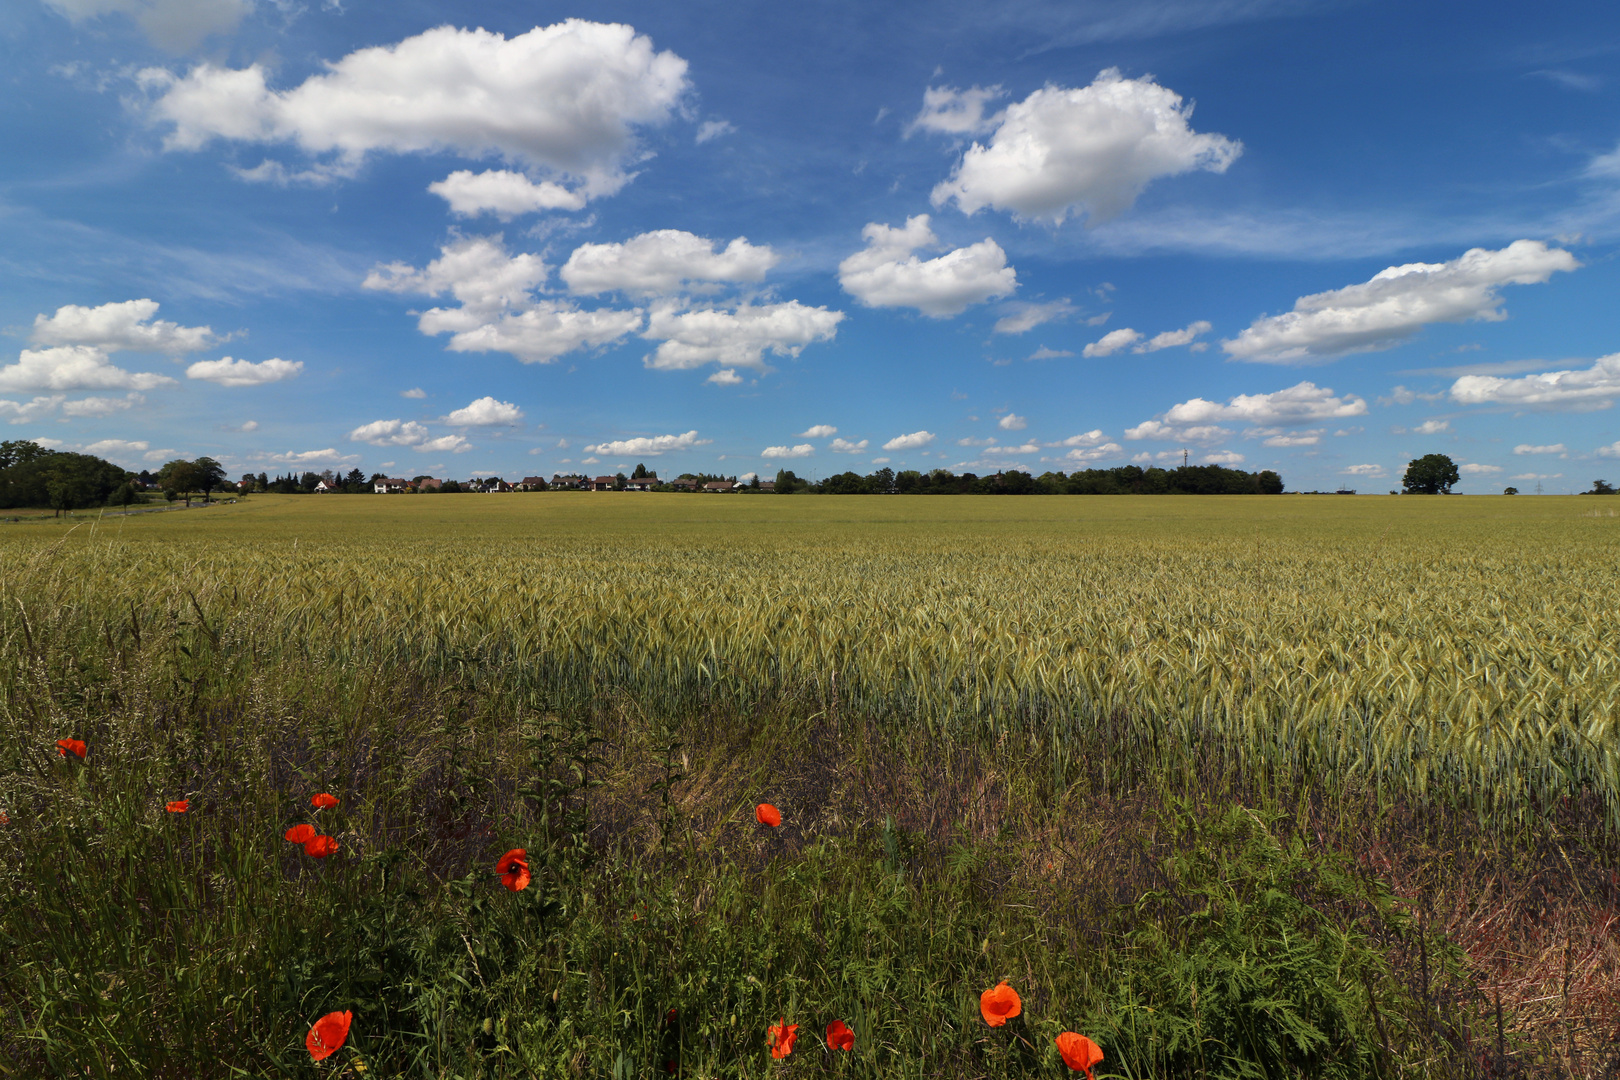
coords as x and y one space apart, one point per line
31 475
1431 474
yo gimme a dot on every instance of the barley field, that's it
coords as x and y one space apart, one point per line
1282 786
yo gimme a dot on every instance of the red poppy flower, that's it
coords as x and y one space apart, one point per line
300 834
328 1035
514 869
1079 1053
64 747
178 806
323 801
782 1035
766 814
999 1004
319 847
839 1037
5 818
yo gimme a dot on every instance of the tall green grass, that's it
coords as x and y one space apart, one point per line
1119 761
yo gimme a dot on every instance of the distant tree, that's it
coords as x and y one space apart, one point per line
122 495
61 481
640 473
21 452
787 483
210 475
1431 474
1600 487
1510 491
308 481
450 487
180 478
262 483
881 482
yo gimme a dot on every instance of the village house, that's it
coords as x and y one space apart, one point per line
600 483
327 485
393 485
720 485
642 483
531 483
683 484
567 480
767 485
428 483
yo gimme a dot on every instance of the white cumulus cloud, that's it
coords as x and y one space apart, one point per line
73 367
818 431
1111 342
1432 427
497 311
844 446
725 377
1094 437
174 25
562 99
1224 457
713 129
1198 420
126 325
801 450
408 433
737 338
1012 422
1102 452
950 111
651 446
26 412
502 192
915 441
101 406
1396 303
311 457
1578 390
1172 338
1088 151
664 261
1023 316
485 412
1475 469
1551 448
888 273
1364 470
228 372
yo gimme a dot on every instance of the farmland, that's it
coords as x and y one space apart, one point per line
1099 747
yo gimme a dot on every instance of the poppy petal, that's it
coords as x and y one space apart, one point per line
766 814
320 847
1078 1052
999 1004
178 806
324 801
300 834
328 1035
782 1034
839 1036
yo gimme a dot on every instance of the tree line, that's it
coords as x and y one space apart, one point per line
35 476
1125 480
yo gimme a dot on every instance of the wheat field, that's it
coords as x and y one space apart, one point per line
1035 740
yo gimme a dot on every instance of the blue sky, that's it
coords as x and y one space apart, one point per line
1316 237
